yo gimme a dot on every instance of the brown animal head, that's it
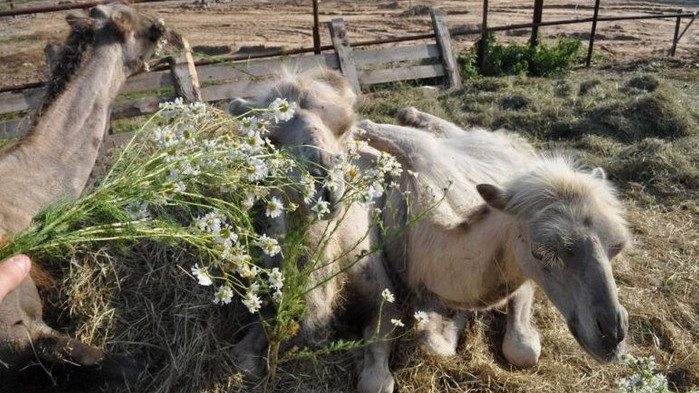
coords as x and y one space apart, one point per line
138 35
105 25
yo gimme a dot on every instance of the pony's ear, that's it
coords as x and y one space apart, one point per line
239 106
79 21
598 173
494 196
124 21
99 12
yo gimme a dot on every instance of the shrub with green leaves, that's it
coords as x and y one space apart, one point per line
515 59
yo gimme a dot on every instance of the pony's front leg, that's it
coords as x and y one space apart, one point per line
249 352
440 333
369 283
521 345
411 117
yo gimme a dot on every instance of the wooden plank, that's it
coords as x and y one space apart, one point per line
228 91
371 77
396 54
253 69
441 31
340 40
184 75
15 128
12 101
147 81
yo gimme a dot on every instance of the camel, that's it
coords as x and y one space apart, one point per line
53 162
509 218
323 121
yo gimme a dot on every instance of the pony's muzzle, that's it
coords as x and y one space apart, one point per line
612 329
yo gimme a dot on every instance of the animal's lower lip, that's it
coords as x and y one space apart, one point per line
606 358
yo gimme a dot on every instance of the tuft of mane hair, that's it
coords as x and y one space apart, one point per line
559 178
67 63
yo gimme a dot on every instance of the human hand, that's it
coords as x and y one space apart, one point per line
12 272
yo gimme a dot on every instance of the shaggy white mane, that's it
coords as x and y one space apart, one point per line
559 178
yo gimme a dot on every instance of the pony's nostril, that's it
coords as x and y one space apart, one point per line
327 195
600 329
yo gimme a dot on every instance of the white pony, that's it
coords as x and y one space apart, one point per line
321 124
510 217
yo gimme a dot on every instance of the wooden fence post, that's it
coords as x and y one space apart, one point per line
675 37
184 75
441 32
316 29
592 34
538 12
338 33
482 49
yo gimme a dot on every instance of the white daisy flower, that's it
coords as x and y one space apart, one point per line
255 169
268 245
138 211
321 208
274 208
202 275
252 302
388 296
210 222
421 316
224 295
276 278
248 270
281 110
397 323
165 137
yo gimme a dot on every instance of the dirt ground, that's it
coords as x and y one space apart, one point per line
222 28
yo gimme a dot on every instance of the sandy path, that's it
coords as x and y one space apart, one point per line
225 27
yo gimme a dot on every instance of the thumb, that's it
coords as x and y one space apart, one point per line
12 272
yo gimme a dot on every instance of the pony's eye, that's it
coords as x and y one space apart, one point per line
538 253
615 249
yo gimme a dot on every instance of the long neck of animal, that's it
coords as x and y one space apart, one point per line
469 268
55 160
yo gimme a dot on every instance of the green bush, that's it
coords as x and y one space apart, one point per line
515 59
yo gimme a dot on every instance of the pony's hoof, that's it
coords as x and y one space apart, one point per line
438 345
409 116
522 349
251 365
375 381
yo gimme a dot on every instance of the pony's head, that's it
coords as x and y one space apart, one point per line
315 135
569 228
108 24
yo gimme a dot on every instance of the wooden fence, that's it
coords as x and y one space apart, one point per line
224 81
237 76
